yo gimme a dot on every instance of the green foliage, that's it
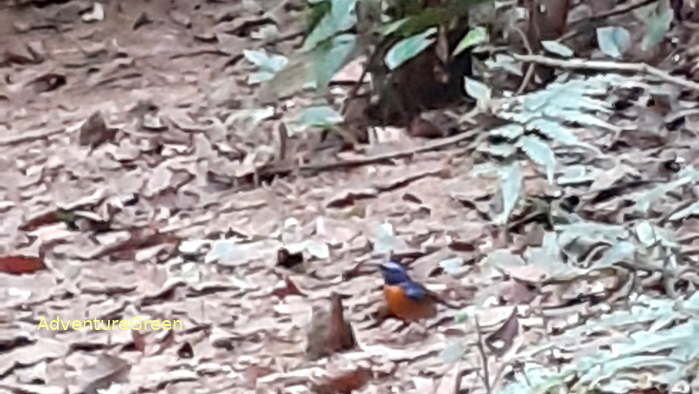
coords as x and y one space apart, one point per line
268 65
330 56
321 116
478 90
644 200
660 332
511 187
541 122
668 348
540 153
408 48
613 41
658 16
332 43
557 48
316 11
338 16
475 36
419 19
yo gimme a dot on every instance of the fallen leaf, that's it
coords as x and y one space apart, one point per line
47 82
107 370
328 332
94 131
95 15
501 340
18 265
288 289
345 383
287 259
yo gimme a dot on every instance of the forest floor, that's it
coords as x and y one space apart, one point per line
126 178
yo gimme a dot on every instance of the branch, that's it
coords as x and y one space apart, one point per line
281 168
605 65
486 375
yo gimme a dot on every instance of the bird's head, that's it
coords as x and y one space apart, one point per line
394 273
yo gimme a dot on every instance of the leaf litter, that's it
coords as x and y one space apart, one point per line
142 161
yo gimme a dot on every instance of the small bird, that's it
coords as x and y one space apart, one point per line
405 298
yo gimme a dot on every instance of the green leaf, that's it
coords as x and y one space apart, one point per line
574 174
479 91
321 116
329 58
693 209
540 153
554 130
557 48
249 118
658 24
408 48
340 18
268 65
474 37
621 251
503 259
613 40
296 75
511 131
583 118
648 197
392 27
503 150
505 62
589 233
511 187
428 17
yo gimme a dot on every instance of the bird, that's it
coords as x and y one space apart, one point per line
406 299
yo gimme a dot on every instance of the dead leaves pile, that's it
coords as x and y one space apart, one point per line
121 197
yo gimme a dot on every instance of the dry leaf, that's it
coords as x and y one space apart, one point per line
328 332
18 265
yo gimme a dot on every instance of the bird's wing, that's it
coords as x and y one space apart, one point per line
414 291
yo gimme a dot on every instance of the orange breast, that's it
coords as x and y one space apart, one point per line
406 309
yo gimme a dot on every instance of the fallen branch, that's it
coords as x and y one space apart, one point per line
29 136
605 65
586 24
484 357
622 9
282 168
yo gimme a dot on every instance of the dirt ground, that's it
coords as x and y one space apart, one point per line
118 210
130 191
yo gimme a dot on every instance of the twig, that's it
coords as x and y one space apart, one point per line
678 208
604 65
355 89
284 168
283 140
532 66
286 37
615 11
587 22
484 358
29 136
